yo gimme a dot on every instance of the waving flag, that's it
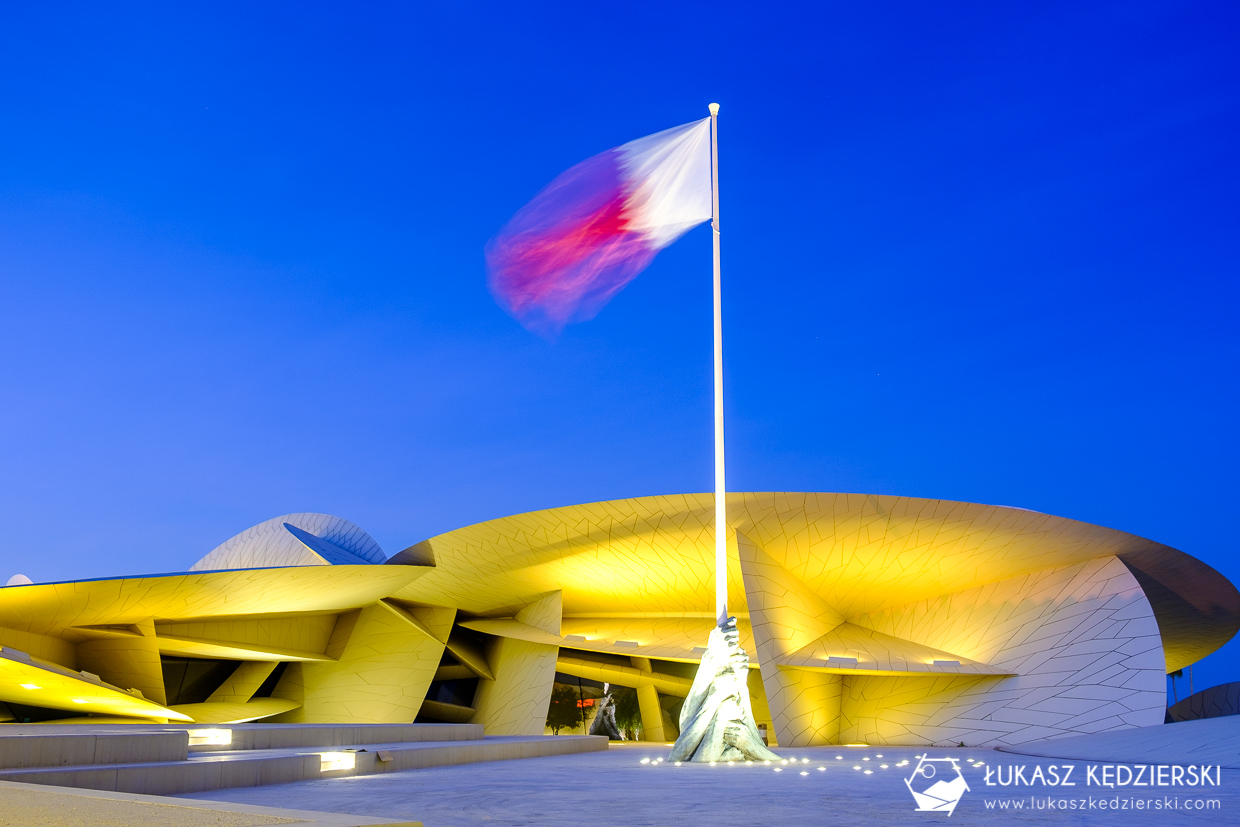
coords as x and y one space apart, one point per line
596 226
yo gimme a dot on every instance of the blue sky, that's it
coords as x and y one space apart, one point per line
972 251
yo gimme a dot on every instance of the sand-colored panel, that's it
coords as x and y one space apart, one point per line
128 661
678 639
1198 610
804 706
245 680
57 650
433 621
673 637
516 701
30 681
472 656
761 709
877 653
1082 641
652 714
786 617
302 637
657 553
51 608
235 712
381 674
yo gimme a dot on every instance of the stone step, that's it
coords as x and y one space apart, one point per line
286 736
215 737
206 771
172 777
23 751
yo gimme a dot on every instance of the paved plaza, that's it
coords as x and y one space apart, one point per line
616 788
36 805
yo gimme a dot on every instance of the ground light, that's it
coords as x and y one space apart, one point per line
329 761
214 737
793 761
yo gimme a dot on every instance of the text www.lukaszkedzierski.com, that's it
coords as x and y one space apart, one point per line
1038 802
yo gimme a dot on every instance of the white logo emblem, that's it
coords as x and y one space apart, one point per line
937 784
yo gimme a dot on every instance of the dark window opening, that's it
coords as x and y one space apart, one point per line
192 680
269 685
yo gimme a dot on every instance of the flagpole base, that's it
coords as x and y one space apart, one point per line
716 721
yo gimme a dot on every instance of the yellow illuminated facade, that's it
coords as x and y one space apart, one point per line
869 619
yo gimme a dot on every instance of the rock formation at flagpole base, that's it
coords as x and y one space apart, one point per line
716 721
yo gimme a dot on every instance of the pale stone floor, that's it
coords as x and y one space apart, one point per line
614 788
38 805
46 808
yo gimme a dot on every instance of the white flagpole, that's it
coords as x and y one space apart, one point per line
711 729
721 505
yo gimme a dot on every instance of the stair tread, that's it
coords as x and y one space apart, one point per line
196 758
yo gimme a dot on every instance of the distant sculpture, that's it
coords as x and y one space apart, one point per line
605 719
716 721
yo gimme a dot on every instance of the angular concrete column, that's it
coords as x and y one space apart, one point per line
382 663
516 701
648 703
652 714
786 615
129 660
761 710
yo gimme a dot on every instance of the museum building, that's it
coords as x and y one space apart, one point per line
868 619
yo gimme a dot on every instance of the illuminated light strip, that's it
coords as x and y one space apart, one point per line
329 761
202 737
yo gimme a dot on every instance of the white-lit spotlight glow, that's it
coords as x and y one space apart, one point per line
329 761
201 737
